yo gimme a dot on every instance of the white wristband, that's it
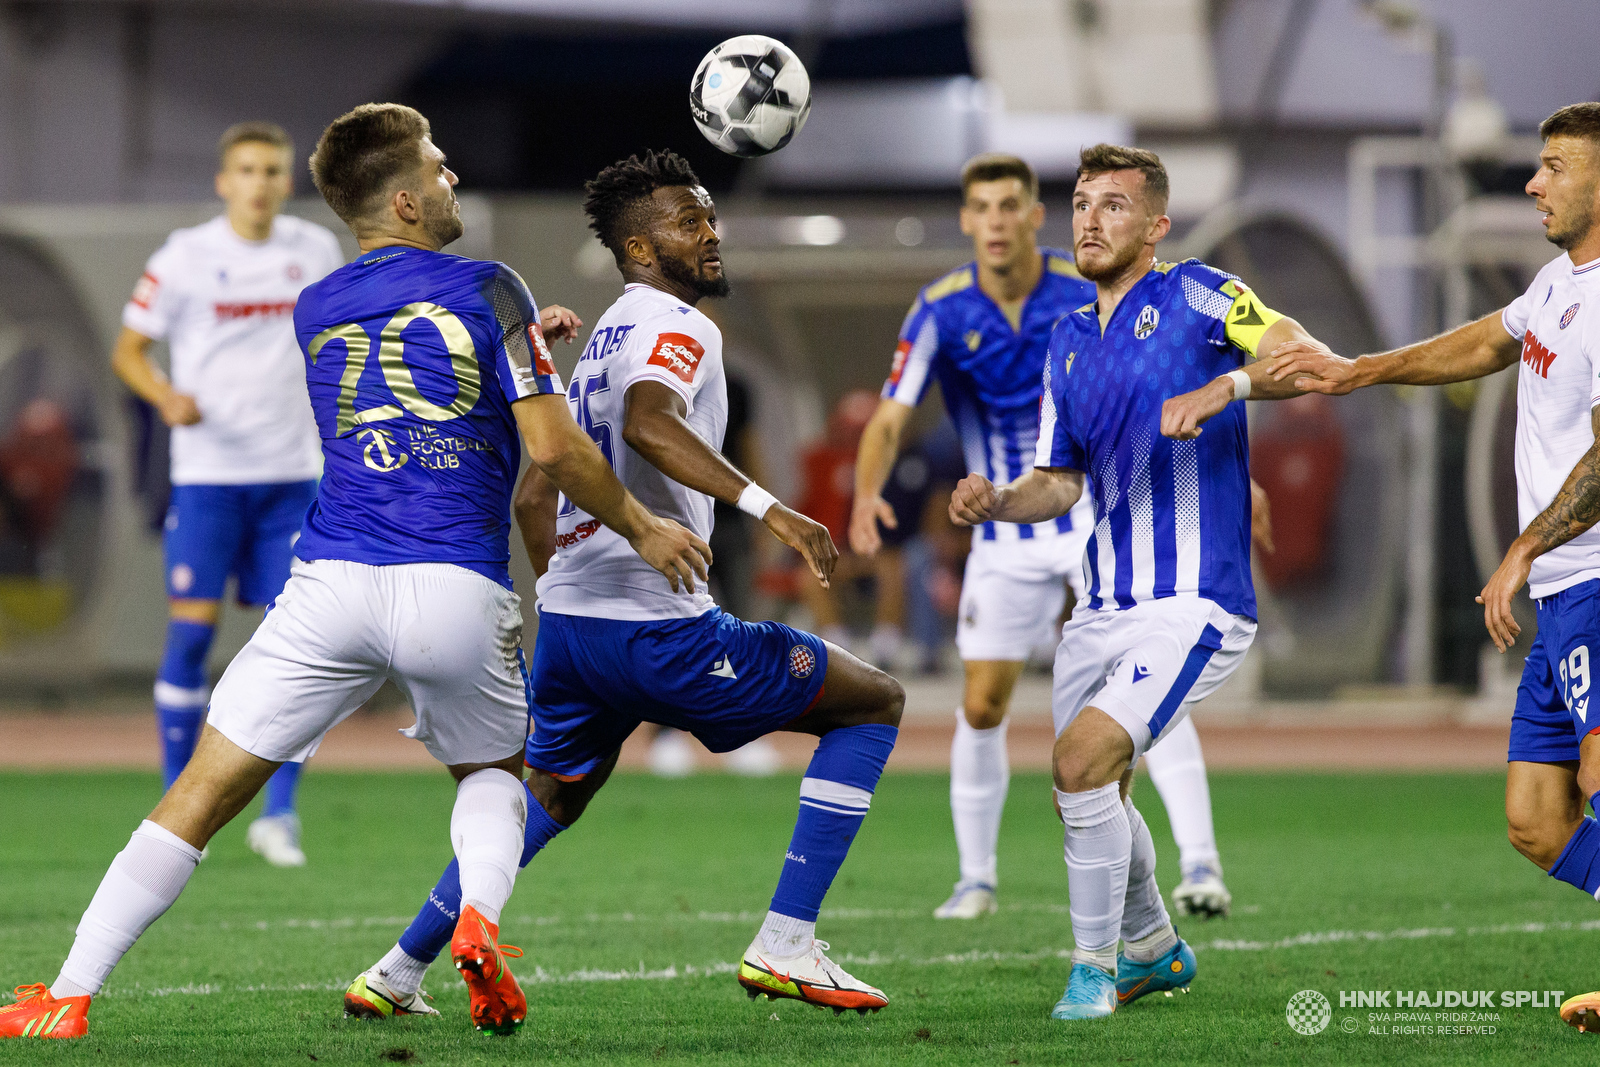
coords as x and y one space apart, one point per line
1241 384
756 500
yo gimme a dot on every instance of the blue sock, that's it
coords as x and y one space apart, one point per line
434 925
834 798
281 788
181 693
1579 862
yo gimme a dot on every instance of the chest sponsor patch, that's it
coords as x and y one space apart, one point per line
254 309
1536 355
1568 315
678 353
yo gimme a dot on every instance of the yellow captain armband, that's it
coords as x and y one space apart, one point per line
1248 318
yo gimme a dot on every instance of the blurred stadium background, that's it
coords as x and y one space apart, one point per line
1358 161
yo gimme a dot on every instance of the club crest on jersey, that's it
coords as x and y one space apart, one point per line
973 339
678 353
802 661
1145 325
1568 315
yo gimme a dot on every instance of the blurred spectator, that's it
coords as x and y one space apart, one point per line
38 462
828 470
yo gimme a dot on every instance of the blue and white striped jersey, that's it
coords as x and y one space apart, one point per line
989 373
1172 518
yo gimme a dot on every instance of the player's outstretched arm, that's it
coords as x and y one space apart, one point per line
1467 352
535 509
880 445
654 425
575 466
130 361
1182 416
1041 494
1575 509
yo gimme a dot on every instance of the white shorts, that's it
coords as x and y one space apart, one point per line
1146 666
449 638
1013 592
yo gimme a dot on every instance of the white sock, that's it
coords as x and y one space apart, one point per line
486 828
143 881
402 970
1152 946
1178 770
980 775
1099 844
1144 913
785 936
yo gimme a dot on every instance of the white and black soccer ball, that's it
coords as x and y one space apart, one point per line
750 95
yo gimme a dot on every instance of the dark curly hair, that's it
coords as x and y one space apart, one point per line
617 200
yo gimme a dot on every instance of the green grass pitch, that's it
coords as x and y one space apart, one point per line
632 920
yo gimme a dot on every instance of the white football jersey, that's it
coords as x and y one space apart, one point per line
1558 322
225 306
647 335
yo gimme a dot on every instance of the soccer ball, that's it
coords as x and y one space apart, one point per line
750 95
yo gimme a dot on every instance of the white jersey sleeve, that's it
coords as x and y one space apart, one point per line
158 295
1516 314
681 351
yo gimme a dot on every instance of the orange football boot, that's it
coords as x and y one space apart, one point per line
37 1014
498 1004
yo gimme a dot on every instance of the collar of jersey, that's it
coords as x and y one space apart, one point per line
384 252
1586 268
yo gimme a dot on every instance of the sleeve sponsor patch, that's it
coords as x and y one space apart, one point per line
901 352
542 363
678 353
144 291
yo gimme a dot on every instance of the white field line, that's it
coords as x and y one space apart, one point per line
539 975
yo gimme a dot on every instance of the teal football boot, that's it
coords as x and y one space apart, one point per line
1091 994
1175 970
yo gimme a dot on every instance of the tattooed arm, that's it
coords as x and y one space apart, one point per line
1574 510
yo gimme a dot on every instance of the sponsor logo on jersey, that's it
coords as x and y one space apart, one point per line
1145 325
902 352
802 661
1067 365
679 353
723 668
581 532
1568 315
542 363
1536 355
145 289
376 453
1140 672
261 308
973 339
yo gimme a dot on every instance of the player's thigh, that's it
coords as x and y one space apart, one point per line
456 654
316 657
1011 598
200 540
1544 806
266 548
1081 663
216 784
1165 656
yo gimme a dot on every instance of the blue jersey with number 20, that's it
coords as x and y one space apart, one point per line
413 360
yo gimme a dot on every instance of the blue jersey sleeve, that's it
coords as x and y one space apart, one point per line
521 359
911 373
1058 446
1230 312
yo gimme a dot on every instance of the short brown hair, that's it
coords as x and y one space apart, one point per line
1574 120
253 133
992 166
362 152
1103 158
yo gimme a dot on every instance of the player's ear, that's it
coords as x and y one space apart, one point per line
639 250
1159 230
405 205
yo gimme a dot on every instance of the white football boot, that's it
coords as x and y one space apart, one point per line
811 978
968 901
1201 892
671 755
371 997
276 839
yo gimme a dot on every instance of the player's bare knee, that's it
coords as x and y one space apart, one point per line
891 696
1536 842
985 713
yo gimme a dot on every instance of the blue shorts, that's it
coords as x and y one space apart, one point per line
1553 701
246 531
724 680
